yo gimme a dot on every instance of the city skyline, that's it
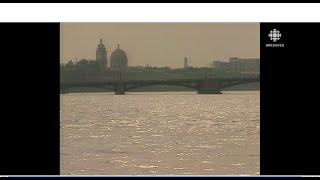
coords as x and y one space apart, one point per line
162 44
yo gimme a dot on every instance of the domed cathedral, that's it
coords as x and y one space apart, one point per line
101 57
118 59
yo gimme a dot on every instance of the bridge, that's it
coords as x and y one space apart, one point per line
202 86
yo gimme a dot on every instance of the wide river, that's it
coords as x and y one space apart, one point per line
160 133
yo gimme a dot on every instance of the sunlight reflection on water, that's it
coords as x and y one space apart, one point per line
160 133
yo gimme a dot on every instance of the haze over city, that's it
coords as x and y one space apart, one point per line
162 44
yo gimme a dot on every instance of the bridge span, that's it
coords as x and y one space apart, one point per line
203 86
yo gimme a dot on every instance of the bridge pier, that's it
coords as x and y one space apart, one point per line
120 88
209 87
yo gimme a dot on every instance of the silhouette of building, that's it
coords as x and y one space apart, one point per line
118 59
101 57
245 65
237 66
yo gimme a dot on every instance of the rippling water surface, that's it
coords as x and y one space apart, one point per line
167 133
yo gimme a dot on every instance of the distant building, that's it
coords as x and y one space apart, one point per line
219 64
248 60
118 59
237 67
245 65
216 64
101 57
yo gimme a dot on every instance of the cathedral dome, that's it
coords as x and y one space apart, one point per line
101 46
118 59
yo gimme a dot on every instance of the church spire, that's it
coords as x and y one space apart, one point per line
100 41
118 46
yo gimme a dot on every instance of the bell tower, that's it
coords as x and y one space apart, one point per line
101 56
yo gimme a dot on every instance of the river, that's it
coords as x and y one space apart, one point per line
160 133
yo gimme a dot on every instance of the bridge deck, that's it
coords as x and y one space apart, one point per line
169 81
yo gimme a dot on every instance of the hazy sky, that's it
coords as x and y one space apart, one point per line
162 44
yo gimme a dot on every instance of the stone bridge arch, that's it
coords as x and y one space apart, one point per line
226 84
64 87
139 85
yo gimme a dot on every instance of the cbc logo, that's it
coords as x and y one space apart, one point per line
274 35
